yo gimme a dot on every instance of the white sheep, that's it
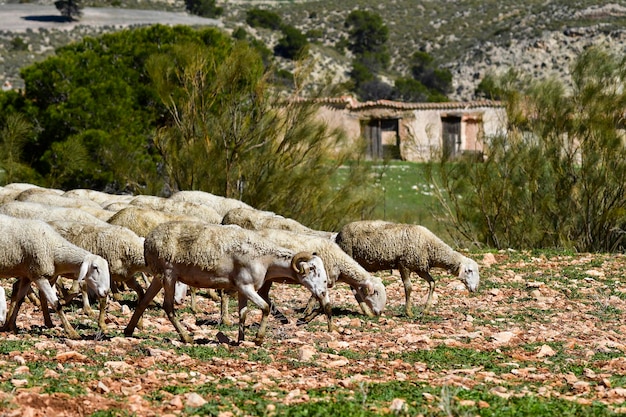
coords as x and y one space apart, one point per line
35 195
32 251
184 208
121 247
380 245
368 290
3 306
221 204
253 219
142 221
28 210
100 197
204 255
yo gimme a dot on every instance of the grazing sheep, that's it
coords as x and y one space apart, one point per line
121 247
221 204
183 208
20 186
379 245
142 220
204 255
116 206
33 251
28 210
3 306
369 291
35 195
253 219
99 213
100 197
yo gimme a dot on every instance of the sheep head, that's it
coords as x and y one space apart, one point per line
371 296
312 274
468 273
95 272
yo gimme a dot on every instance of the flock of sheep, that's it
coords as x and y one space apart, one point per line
195 239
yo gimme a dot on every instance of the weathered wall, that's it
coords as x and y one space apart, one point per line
420 127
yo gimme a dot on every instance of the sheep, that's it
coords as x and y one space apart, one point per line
121 247
115 206
378 245
142 221
100 197
369 291
28 210
184 208
33 251
3 306
253 219
221 204
35 195
205 255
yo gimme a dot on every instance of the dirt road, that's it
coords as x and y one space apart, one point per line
21 17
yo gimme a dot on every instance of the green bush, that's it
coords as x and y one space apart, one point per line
263 19
557 178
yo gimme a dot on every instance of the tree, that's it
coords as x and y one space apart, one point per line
263 19
293 45
557 176
204 8
425 71
367 41
270 152
70 9
367 33
96 94
13 136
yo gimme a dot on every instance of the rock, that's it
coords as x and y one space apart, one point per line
305 353
194 400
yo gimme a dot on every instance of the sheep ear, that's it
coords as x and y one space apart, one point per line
368 288
84 268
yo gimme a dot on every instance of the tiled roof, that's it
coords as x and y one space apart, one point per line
351 103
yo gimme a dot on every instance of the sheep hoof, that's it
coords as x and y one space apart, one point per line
73 335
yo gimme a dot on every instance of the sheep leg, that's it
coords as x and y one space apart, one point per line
431 289
213 295
33 298
247 292
310 305
47 320
405 274
151 292
243 313
224 317
264 292
86 306
364 307
169 283
103 314
21 287
50 295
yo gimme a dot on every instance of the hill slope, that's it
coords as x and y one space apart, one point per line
471 38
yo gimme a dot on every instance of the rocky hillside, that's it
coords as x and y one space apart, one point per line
472 38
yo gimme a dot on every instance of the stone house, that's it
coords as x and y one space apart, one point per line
416 131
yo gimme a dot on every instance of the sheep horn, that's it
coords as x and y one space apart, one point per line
300 257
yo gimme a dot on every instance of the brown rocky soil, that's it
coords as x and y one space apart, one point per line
532 309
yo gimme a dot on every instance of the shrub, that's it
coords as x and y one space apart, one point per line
557 178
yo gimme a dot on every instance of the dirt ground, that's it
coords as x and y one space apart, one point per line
23 17
533 310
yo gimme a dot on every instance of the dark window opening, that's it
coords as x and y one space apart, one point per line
451 136
383 138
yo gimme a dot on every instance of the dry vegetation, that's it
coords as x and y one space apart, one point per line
544 330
